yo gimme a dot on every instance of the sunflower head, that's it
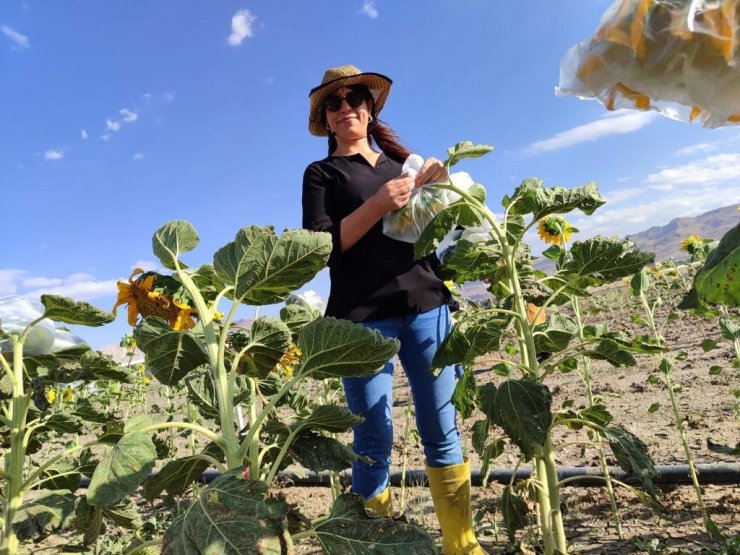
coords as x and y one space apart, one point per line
555 230
69 394
51 395
692 245
153 294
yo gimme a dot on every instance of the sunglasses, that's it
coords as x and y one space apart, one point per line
354 99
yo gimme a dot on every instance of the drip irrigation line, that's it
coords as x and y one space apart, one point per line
675 474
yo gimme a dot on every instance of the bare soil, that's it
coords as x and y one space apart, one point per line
705 401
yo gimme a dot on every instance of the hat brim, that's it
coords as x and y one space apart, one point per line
379 86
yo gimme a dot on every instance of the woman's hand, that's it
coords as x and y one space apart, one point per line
395 193
432 171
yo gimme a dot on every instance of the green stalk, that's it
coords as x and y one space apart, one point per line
215 346
586 376
15 460
678 419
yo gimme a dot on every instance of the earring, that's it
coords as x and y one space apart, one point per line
370 119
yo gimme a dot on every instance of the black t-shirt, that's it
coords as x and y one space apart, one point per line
377 277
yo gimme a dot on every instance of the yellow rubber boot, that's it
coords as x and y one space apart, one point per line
381 504
450 488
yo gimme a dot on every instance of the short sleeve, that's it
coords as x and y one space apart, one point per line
319 212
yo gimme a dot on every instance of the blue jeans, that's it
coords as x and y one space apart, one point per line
372 397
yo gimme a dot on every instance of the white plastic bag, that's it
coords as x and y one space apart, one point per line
407 223
679 57
15 314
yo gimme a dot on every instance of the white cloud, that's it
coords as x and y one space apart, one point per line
83 134
621 195
19 41
79 286
138 156
106 136
54 154
168 97
369 9
8 279
112 125
128 115
241 27
719 168
701 147
619 123
41 282
147 266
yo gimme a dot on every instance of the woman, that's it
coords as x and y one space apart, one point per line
376 282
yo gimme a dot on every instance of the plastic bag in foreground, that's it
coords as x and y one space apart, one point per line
679 57
407 223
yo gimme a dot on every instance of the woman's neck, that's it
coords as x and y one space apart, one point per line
348 147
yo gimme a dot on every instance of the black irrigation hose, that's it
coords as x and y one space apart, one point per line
716 473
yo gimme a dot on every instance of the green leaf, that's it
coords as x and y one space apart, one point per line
531 197
85 411
63 309
124 514
632 456
122 469
718 282
715 370
44 514
89 521
655 407
207 281
349 530
730 330
265 269
480 432
522 409
170 355
317 453
458 213
487 403
296 317
267 341
173 239
612 352
470 261
708 345
330 418
232 516
333 348
640 282
554 334
474 334
464 396
465 149
602 260
514 510
175 477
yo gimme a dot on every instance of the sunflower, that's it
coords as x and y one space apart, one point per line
288 361
555 230
152 294
69 394
692 245
51 395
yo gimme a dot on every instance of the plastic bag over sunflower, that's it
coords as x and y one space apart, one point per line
679 57
407 223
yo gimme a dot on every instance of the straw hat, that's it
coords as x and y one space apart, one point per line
344 76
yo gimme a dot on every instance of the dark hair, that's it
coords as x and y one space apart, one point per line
384 136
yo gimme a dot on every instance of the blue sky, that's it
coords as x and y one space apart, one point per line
118 117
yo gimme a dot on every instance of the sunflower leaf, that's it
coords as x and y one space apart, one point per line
555 334
338 348
170 355
63 309
122 469
330 418
50 511
474 334
265 269
173 239
522 409
231 516
602 260
457 213
718 282
531 197
465 149
514 510
268 339
349 530
632 455
318 453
